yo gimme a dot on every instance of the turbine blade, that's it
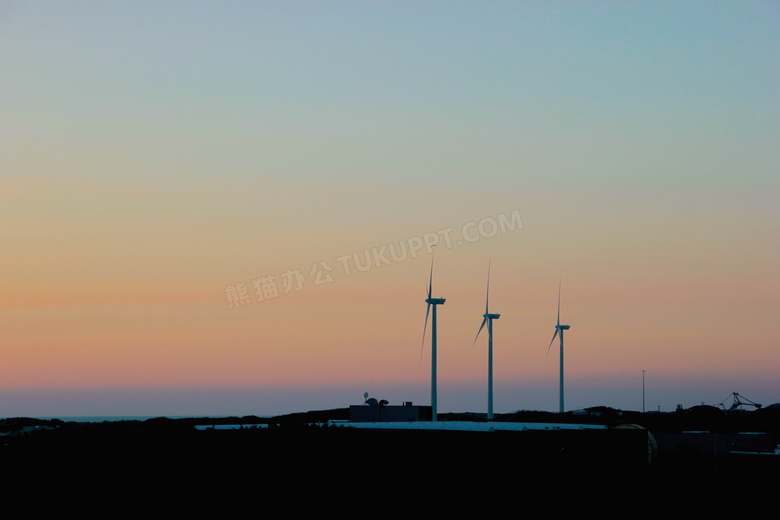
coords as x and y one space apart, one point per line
559 302
553 339
430 282
480 330
487 298
428 311
425 328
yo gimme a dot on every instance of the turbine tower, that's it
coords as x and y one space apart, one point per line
488 319
559 329
432 302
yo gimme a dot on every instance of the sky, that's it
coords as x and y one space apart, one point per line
233 208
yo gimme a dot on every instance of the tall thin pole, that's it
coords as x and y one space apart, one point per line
561 389
433 367
643 391
490 369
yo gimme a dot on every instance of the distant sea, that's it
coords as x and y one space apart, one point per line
112 418
117 418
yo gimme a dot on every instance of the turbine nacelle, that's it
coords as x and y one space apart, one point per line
435 301
491 316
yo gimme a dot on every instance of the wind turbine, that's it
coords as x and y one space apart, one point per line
559 329
432 302
488 319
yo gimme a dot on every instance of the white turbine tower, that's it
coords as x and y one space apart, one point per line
488 319
432 302
559 329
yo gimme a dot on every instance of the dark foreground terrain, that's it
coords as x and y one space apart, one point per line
303 452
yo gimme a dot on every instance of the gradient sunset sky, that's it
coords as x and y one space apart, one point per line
156 158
